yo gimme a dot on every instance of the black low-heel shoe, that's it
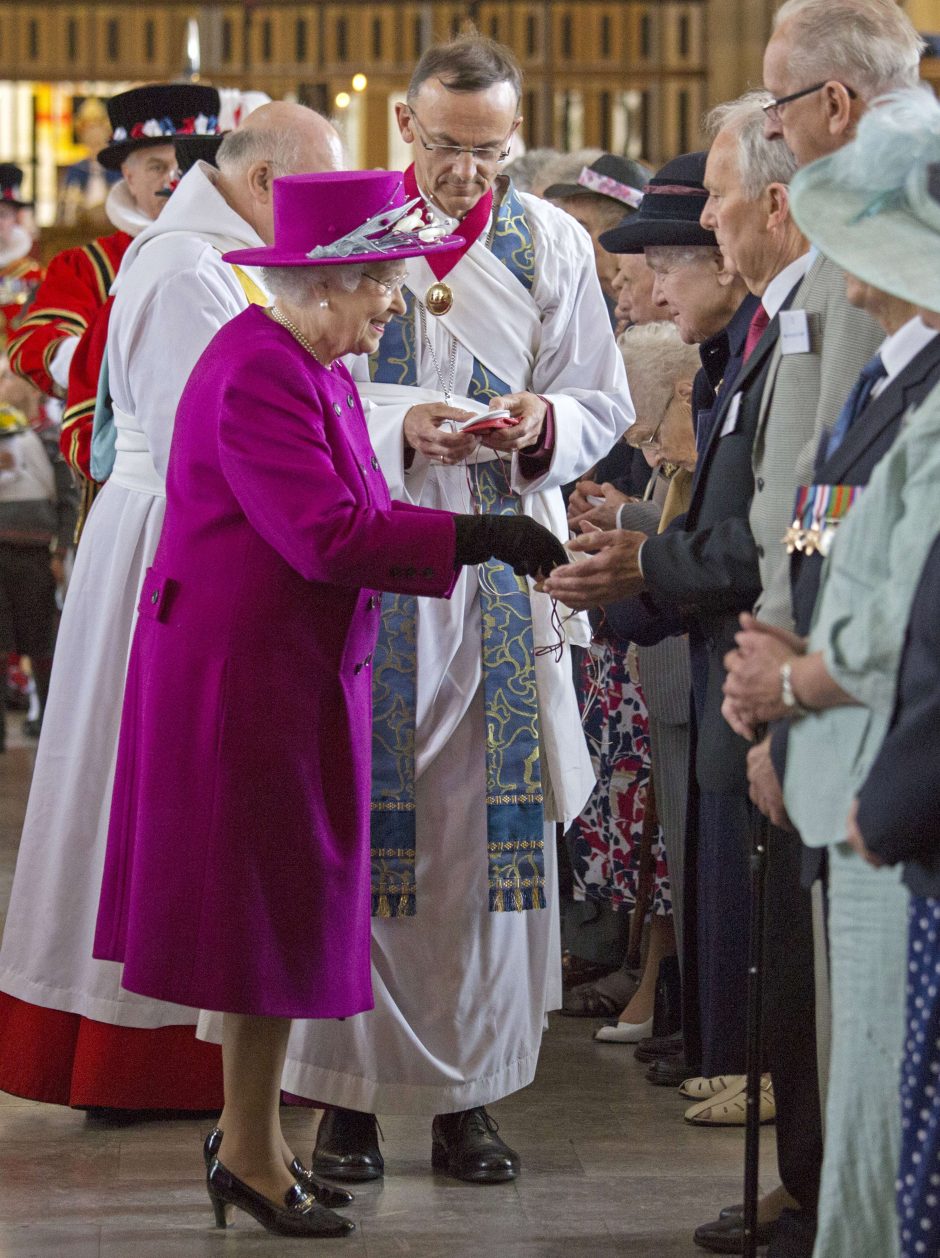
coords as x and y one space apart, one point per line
300 1215
332 1198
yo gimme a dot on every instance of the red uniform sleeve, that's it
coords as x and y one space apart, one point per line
79 414
74 290
19 280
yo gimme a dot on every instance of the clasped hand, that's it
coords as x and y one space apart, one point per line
752 686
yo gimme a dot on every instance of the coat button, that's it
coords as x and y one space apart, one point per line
375 464
155 597
760 552
357 669
350 401
368 659
760 482
337 408
427 572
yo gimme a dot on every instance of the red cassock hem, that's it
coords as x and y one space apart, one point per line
65 1059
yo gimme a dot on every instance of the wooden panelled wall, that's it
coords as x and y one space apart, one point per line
596 50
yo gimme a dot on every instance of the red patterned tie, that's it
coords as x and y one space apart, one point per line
757 328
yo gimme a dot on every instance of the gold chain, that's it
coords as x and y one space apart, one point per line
295 333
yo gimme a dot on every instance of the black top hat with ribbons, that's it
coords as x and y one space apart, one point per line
669 214
11 184
610 176
146 116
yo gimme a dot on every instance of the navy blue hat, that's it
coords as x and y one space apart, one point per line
146 116
11 183
669 213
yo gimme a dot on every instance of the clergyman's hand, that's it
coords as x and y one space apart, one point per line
531 412
424 434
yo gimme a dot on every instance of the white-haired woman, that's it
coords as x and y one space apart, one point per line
237 871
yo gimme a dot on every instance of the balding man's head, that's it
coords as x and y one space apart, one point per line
276 139
291 138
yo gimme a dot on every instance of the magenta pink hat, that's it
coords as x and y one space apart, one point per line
345 216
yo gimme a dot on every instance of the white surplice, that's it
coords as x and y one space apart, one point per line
173 293
461 993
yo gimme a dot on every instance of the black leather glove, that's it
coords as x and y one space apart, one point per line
527 547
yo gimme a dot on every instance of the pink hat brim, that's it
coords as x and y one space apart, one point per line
272 256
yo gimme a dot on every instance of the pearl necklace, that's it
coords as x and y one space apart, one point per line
296 334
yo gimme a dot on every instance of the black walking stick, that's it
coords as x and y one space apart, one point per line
760 828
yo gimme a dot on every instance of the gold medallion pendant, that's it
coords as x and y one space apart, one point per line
439 298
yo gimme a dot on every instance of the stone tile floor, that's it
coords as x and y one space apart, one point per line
609 1168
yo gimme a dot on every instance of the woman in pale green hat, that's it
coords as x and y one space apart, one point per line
874 208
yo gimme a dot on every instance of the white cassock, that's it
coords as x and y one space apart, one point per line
461 993
166 310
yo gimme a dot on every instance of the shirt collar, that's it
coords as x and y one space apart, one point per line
904 344
776 292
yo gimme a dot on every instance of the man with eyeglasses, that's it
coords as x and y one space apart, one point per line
477 743
826 62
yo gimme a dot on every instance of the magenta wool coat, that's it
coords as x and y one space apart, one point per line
237 869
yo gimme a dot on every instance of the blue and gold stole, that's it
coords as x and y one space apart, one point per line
514 799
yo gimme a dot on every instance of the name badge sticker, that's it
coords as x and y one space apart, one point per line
794 332
731 419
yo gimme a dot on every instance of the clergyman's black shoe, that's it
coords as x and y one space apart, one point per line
348 1146
332 1198
466 1145
726 1236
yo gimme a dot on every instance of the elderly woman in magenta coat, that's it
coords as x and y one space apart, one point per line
237 872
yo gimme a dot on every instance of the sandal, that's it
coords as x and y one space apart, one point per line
729 1108
703 1089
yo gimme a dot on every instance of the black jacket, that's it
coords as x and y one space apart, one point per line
709 570
898 811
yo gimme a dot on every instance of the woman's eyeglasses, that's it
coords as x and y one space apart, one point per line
387 286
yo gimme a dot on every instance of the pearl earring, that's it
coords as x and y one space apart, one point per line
324 304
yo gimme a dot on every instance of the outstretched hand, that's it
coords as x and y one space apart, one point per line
610 574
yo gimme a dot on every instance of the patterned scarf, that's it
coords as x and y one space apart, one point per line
514 799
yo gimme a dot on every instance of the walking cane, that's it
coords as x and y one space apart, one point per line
755 963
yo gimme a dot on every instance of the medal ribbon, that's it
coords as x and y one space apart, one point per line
816 515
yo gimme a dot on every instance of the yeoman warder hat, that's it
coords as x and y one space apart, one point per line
151 115
11 184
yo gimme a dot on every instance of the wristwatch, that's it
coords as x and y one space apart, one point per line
787 697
